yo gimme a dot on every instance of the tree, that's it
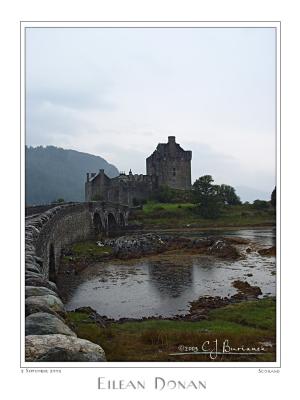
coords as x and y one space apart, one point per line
207 197
228 195
273 198
261 204
163 194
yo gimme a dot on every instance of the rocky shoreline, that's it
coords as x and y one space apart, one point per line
135 246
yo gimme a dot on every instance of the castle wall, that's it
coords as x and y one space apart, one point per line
124 189
97 187
129 190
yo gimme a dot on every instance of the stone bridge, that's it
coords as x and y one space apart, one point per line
48 231
68 223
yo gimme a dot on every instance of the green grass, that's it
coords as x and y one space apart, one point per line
89 248
169 215
81 252
247 323
151 206
257 314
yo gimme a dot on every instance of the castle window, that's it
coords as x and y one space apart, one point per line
174 172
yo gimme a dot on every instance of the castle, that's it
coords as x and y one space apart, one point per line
169 165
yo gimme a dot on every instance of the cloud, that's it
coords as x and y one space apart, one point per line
76 98
117 93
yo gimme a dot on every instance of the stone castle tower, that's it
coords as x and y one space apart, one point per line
168 165
171 165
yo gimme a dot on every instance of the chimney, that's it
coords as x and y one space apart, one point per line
171 139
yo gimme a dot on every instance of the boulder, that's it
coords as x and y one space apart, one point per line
32 268
53 286
61 348
40 281
137 245
31 274
29 258
42 323
38 291
44 303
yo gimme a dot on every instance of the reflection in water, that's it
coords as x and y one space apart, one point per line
170 281
166 283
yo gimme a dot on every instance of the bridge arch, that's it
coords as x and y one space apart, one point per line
122 220
97 223
112 224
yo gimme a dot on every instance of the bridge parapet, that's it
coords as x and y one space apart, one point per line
67 223
46 235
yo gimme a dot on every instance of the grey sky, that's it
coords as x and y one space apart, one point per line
118 92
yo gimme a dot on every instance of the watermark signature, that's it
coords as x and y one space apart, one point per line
215 348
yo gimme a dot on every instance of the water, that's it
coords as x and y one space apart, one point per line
165 284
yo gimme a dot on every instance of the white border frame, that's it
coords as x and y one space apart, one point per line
151 24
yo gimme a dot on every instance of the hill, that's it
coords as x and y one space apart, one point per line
53 173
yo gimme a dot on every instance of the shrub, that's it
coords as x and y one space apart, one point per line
261 204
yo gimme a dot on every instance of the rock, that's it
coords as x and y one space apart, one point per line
53 286
40 281
33 229
198 317
44 324
32 268
222 249
61 348
236 240
271 251
92 315
38 291
245 290
137 245
202 243
31 274
44 303
29 258
205 303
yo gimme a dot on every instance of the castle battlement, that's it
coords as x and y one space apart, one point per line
169 165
